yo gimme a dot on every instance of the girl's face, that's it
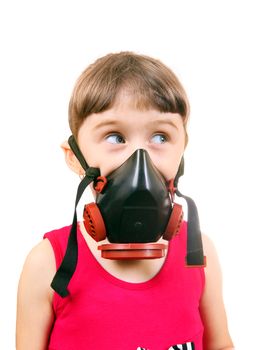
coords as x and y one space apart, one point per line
109 138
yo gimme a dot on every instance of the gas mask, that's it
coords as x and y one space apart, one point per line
134 209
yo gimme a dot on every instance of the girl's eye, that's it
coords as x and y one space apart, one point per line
115 138
159 138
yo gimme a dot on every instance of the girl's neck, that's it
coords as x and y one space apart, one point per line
133 271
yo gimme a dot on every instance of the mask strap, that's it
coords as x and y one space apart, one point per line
195 256
75 149
68 266
180 172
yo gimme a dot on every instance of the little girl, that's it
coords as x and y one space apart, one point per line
145 285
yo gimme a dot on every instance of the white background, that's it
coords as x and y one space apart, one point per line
213 46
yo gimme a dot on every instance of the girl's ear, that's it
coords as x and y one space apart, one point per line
71 159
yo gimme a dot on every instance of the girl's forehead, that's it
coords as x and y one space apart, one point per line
134 99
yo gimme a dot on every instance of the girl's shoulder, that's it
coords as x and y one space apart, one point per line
34 297
212 305
41 264
39 269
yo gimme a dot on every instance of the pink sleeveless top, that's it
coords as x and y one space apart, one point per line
103 312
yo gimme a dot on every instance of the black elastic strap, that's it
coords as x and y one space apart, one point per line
180 172
195 255
75 148
68 266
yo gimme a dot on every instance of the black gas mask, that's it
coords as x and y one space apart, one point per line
134 208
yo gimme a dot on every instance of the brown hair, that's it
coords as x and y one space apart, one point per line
150 82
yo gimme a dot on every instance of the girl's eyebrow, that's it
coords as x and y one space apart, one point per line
107 122
169 122
116 122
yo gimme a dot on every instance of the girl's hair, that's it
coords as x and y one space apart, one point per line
151 84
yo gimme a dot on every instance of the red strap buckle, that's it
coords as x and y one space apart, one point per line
171 188
100 183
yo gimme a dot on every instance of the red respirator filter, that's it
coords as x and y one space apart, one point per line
93 222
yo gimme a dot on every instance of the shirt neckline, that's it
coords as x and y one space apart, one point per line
119 282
